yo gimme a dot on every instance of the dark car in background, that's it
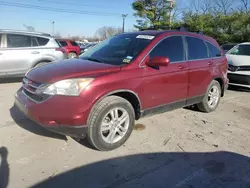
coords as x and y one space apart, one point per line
124 78
87 47
228 46
73 50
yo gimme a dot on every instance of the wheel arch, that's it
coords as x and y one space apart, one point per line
41 61
221 82
130 96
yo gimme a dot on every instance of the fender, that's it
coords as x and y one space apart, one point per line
119 91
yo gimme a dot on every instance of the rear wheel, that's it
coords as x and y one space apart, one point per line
72 55
110 123
212 98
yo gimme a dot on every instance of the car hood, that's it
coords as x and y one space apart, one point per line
238 60
73 68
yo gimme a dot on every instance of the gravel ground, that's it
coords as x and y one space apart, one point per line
183 148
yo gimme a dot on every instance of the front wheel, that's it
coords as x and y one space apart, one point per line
110 123
212 98
72 55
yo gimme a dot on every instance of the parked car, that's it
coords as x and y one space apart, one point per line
21 51
228 46
87 47
71 47
239 65
122 79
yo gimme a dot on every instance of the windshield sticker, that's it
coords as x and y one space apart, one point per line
126 60
149 37
129 57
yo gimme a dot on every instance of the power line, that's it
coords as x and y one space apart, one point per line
20 5
65 3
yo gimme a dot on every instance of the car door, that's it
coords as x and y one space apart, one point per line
163 86
19 53
2 57
200 69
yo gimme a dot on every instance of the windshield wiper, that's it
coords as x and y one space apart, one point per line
94 59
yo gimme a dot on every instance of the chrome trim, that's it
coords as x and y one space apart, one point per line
29 90
37 102
29 97
36 87
241 85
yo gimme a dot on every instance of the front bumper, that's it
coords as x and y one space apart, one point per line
70 121
239 78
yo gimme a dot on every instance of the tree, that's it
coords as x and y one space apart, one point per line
223 6
153 13
29 28
202 6
106 32
244 6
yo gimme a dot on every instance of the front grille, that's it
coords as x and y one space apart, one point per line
238 68
30 87
239 79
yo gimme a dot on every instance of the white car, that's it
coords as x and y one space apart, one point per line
239 65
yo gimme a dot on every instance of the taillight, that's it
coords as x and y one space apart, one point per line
61 50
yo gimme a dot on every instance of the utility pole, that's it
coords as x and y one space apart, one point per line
171 7
123 22
53 28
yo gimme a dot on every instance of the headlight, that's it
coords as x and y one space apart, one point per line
70 87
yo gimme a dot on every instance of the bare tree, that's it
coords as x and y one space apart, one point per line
202 6
244 6
224 6
29 28
106 32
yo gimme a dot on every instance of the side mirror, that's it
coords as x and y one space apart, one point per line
158 61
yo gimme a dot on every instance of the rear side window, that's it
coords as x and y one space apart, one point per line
17 41
197 48
42 41
213 51
63 43
73 43
171 47
0 40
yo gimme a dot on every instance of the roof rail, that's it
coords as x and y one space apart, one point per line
155 28
23 31
181 28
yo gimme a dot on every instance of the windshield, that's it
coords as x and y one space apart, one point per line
240 50
118 50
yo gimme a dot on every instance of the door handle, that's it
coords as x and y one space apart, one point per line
35 52
181 67
210 63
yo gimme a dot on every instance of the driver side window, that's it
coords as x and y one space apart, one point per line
171 47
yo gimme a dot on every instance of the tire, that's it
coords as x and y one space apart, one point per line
102 112
72 55
213 93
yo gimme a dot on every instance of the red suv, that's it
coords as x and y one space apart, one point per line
124 78
71 47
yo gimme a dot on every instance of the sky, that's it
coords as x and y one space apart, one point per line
67 24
